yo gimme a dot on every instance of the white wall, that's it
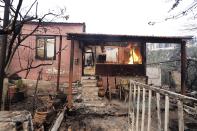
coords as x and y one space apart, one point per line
154 75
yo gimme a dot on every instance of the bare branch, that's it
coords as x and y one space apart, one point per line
16 14
175 5
35 2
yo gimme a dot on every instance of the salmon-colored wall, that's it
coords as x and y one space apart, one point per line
26 54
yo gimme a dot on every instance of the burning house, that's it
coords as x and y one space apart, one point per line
116 56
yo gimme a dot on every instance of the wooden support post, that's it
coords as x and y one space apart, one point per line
138 108
183 67
4 95
143 49
70 104
109 88
59 64
134 103
149 109
166 119
129 112
158 112
180 115
143 109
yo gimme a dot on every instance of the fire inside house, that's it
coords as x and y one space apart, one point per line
120 56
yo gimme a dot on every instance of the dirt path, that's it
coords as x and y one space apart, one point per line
96 114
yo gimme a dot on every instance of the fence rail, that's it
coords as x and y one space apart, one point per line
138 112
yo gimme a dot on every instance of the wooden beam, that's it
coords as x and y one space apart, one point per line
101 38
183 67
59 63
70 104
58 121
143 51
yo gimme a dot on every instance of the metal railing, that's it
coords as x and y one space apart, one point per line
140 112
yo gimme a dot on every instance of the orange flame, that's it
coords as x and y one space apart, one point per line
135 56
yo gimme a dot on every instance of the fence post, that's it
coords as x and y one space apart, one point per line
158 111
143 109
149 109
133 112
180 115
138 106
166 113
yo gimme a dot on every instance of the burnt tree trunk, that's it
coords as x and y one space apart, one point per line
3 48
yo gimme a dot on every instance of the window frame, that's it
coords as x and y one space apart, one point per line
45 48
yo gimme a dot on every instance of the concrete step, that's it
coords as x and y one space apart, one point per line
87 85
88 78
88 81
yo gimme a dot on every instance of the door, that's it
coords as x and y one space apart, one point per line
88 62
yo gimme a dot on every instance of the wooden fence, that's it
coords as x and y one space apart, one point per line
141 98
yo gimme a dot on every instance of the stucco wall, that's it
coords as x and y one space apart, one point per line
154 75
23 54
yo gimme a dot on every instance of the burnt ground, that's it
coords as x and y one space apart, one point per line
110 117
95 113
99 114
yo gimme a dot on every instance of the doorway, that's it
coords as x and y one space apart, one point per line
88 62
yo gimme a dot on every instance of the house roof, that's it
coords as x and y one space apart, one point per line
56 23
87 37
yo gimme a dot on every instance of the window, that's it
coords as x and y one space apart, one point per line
111 55
45 48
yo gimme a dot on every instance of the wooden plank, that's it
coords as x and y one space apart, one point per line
138 106
129 113
166 119
180 115
134 103
120 69
58 121
149 109
143 109
158 112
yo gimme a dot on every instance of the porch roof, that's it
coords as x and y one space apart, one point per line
87 37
